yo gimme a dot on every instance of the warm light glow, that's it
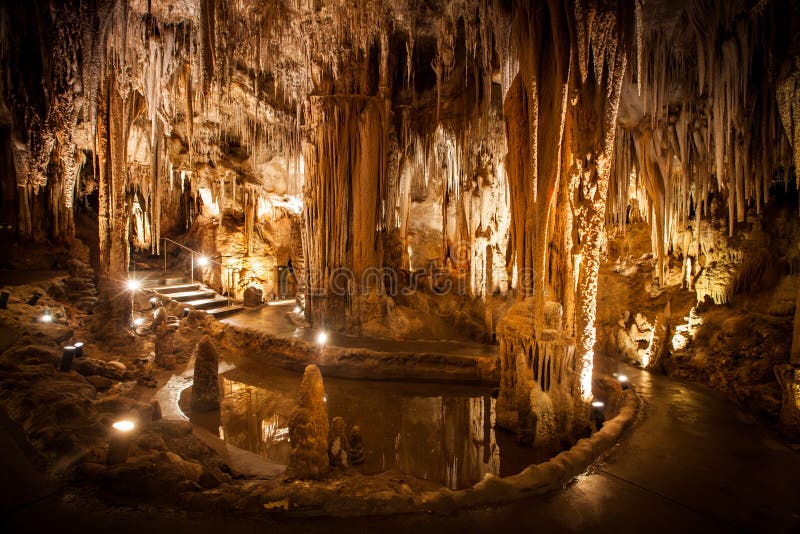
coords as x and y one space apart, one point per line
46 318
133 284
202 261
586 376
322 338
597 404
298 310
622 378
153 300
139 321
124 425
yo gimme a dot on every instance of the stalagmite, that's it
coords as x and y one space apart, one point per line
308 428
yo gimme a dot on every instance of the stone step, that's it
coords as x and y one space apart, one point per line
192 295
208 304
224 312
180 288
150 279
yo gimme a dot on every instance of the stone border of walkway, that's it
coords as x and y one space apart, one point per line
544 477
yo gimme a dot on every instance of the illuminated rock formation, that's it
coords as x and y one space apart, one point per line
308 429
205 386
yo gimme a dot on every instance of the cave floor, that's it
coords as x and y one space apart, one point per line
273 320
693 462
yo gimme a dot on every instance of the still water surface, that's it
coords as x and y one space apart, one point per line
436 432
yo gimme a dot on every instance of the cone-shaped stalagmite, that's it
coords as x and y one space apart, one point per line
308 428
205 389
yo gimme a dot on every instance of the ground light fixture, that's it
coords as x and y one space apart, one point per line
134 284
202 261
623 381
599 414
322 338
139 321
46 317
67 355
78 349
154 302
125 425
297 310
120 441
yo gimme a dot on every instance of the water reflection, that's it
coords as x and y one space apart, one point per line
440 433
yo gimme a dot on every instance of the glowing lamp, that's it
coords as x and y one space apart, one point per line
322 338
623 381
297 310
153 302
134 284
46 317
202 261
78 349
139 321
66 359
120 442
598 414
124 425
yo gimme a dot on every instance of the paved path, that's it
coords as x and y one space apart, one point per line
693 463
273 320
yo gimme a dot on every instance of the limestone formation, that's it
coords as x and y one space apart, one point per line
205 387
253 296
309 428
356 453
338 443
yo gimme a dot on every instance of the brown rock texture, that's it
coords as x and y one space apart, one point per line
205 388
338 443
309 428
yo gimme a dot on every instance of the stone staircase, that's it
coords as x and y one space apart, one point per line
194 294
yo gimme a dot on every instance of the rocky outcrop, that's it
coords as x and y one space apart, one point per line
338 443
537 377
308 429
253 296
205 388
356 440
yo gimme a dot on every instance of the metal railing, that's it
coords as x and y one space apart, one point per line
192 254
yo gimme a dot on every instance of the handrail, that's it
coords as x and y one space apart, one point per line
190 250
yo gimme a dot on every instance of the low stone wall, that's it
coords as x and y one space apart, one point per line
356 362
295 354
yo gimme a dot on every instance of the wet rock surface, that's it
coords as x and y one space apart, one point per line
205 387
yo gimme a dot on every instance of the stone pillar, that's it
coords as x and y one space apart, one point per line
308 429
205 389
